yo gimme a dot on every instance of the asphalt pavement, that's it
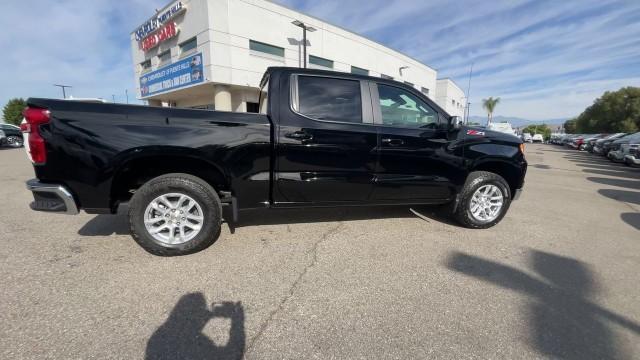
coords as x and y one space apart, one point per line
557 278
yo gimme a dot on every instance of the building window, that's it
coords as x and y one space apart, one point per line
386 77
266 48
425 91
408 83
189 45
165 56
145 65
332 99
253 107
359 71
453 102
316 60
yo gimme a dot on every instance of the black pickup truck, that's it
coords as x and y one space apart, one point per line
321 139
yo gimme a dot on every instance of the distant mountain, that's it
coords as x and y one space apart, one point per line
516 122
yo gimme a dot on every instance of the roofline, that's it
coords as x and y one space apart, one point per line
453 81
313 17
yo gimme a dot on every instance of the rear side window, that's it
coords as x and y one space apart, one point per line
330 99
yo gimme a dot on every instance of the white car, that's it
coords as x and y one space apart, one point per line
526 137
537 138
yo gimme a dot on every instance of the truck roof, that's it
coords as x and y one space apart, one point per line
288 69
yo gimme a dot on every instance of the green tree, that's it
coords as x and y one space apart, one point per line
490 105
12 111
615 111
570 126
538 129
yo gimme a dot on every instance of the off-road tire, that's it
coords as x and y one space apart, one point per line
190 185
474 181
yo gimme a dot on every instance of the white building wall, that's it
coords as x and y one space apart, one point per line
224 28
450 97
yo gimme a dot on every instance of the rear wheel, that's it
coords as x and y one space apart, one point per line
175 214
483 201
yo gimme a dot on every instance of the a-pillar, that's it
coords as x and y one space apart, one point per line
222 98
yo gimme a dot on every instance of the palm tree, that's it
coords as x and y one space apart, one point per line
490 105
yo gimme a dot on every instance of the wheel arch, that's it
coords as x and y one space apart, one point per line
510 172
141 165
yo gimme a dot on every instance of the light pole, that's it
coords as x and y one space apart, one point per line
305 28
63 87
126 93
469 91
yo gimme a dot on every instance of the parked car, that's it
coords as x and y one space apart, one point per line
318 141
620 148
590 141
633 158
13 135
603 144
526 137
3 138
537 138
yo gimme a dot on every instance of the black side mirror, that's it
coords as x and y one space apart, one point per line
456 122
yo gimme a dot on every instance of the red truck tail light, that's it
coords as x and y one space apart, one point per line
36 148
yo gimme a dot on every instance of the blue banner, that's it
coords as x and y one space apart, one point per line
185 72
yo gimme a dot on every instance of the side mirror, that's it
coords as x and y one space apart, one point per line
456 122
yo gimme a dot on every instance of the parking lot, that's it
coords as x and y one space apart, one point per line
557 278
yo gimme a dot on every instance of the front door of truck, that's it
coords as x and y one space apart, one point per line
413 164
326 141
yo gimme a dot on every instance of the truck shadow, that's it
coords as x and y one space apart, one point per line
107 224
563 322
182 337
632 219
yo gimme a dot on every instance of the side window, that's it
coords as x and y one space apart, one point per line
401 108
330 99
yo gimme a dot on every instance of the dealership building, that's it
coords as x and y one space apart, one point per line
211 54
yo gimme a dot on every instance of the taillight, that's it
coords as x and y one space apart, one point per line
36 145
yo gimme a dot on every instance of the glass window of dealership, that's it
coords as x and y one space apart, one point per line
211 54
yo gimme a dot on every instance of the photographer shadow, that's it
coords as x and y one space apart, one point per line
182 337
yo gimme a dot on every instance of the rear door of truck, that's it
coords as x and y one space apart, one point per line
326 140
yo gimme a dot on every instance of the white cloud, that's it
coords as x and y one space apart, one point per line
546 59
81 43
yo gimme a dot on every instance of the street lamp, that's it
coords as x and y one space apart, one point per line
305 28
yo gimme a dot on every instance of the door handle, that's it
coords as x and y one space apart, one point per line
299 135
393 142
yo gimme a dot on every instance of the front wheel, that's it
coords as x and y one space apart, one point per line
483 201
175 214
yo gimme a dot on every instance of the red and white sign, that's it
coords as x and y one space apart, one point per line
164 33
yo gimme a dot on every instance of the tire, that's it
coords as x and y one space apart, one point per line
475 181
203 202
14 141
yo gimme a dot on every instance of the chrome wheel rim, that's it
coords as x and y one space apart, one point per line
14 141
486 203
173 218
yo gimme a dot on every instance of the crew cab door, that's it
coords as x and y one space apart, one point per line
413 164
326 141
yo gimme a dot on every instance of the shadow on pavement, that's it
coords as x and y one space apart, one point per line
563 322
632 219
105 225
621 195
618 173
181 336
630 184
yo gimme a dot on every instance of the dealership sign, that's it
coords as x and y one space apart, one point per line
153 24
166 32
188 71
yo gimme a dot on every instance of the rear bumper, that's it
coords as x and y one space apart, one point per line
51 198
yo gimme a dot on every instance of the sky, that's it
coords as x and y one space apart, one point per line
544 59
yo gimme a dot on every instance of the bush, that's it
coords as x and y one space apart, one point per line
12 111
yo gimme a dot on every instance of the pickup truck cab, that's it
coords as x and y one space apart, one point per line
321 139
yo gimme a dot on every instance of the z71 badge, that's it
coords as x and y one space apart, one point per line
475 132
